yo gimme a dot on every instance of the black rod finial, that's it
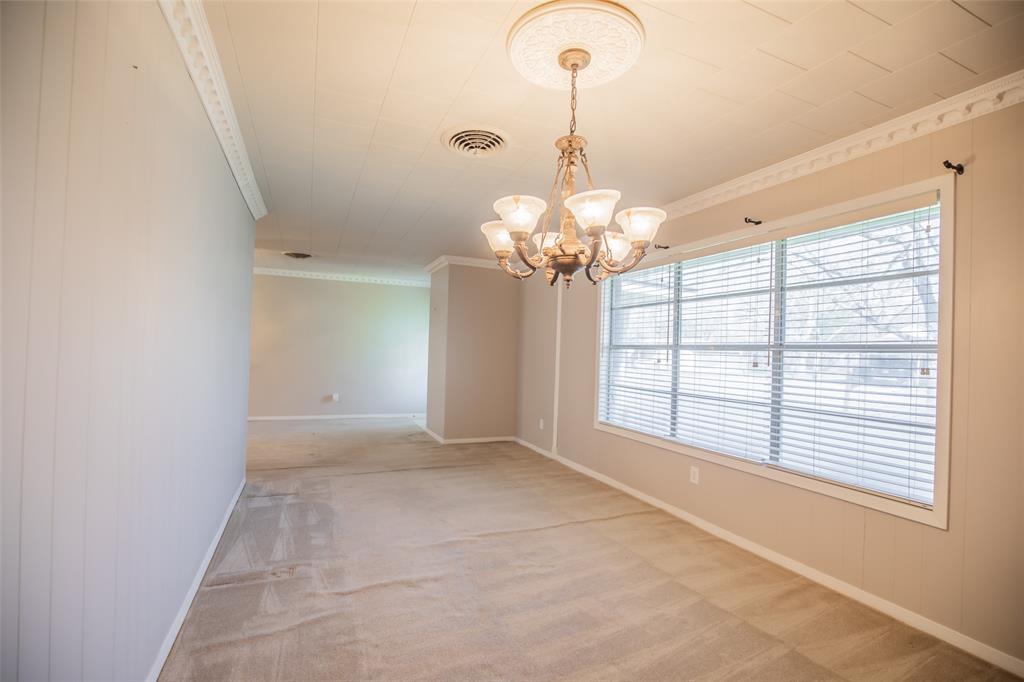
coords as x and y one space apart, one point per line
752 221
958 167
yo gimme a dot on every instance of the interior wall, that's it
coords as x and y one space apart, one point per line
473 394
482 362
127 258
437 350
538 309
966 578
312 338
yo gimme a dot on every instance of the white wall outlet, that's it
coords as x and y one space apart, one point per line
541 424
694 475
335 397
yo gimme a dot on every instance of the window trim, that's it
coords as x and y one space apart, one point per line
938 514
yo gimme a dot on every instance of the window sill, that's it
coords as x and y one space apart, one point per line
936 516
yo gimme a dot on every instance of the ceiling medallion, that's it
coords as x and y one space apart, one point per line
561 252
609 33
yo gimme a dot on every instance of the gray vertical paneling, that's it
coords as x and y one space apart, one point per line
23 25
46 256
126 281
994 551
74 411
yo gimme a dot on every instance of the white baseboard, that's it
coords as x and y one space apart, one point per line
304 417
485 439
172 634
459 441
431 433
536 448
916 620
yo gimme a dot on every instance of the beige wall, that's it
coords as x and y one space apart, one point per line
473 394
967 578
438 349
127 253
313 337
535 399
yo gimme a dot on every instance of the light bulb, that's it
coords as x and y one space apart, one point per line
640 224
498 237
549 240
593 208
520 212
618 245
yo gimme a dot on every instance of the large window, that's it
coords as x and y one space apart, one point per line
816 354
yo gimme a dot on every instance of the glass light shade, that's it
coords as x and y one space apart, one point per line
549 240
640 224
593 208
520 212
497 236
618 245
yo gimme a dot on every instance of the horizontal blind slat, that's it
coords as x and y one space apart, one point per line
817 352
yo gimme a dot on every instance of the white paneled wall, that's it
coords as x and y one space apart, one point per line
967 578
127 254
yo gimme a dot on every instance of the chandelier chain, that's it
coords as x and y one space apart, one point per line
586 167
572 102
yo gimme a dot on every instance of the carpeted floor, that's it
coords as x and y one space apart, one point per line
362 550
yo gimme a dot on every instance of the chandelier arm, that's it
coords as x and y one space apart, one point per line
595 250
503 262
532 262
638 254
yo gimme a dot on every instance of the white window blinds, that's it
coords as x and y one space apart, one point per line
815 354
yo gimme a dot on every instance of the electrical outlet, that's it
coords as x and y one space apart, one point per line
694 475
541 424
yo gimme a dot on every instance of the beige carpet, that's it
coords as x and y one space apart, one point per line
362 550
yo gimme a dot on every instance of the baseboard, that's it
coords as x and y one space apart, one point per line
305 417
431 433
916 620
536 448
172 634
459 441
485 439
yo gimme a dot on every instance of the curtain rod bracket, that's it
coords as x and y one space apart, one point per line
752 221
958 167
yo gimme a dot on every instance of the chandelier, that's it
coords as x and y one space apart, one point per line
561 252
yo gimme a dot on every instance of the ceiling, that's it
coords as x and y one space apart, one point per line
343 106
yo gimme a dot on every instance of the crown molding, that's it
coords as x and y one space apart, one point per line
442 261
998 94
341 277
187 21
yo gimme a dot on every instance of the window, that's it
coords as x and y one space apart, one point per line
815 355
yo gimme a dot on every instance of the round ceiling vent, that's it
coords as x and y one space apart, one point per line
475 142
300 255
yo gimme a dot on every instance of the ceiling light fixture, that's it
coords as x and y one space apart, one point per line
548 41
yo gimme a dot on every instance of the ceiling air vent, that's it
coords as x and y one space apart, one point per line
475 142
297 254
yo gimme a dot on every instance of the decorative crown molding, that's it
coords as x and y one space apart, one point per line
998 94
187 21
341 277
441 262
